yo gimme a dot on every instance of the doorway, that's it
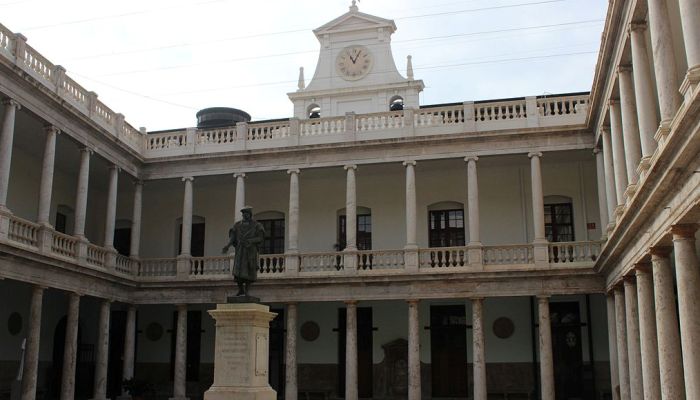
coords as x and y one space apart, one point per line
276 371
448 349
115 360
365 365
567 349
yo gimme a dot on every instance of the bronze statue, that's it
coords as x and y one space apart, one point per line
245 236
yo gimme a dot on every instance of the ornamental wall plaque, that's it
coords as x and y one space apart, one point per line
503 327
310 331
14 323
154 331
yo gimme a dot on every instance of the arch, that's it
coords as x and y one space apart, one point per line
396 103
313 111
445 205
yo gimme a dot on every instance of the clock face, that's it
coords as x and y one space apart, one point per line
354 62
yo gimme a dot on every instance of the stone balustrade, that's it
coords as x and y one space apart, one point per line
568 110
46 241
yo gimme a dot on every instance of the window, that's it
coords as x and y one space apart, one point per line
314 111
396 103
61 220
273 242
363 235
197 241
559 222
446 228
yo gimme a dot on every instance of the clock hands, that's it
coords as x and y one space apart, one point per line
354 60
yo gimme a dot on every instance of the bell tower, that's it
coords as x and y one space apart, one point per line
355 71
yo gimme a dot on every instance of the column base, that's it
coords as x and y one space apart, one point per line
350 261
662 132
630 191
690 83
475 254
183 266
291 263
229 393
540 250
410 259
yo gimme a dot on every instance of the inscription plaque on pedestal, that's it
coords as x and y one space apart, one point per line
241 351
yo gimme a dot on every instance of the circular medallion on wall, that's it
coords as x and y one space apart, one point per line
14 323
154 331
310 331
503 327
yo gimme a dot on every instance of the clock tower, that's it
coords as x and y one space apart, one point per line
355 71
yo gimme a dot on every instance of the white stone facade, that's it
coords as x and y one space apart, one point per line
78 184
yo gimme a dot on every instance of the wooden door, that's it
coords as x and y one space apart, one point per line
448 349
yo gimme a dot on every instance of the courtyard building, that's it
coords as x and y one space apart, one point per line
539 247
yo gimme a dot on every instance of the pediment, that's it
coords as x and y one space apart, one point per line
355 20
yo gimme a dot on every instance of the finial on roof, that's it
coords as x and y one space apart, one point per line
301 85
409 68
353 6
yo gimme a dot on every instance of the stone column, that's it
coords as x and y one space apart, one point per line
351 351
81 194
621 331
180 375
610 193
350 209
186 235
293 238
630 127
102 352
240 195
546 357
473 200
46 182
31 353
414 377
668 337
612 346
602 205
634 354
135 245
644 91
290 361
411 218
537 197
665 62
111 214
689 10
647 331
688 285
7 134
70 349
478 349
129 346
618 151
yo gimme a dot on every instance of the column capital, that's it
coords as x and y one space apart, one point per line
12 102
643 267
115 166
181 307
638 26
350 302
685 231
239 174
628 280
137 182
48 128
597 150
613 102
412 301
604 129
471 158
543 298
188 178
87 149
534 154
350 166
480 298
409 162
624 69
660 251
294 171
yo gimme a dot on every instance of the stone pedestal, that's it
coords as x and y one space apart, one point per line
241 353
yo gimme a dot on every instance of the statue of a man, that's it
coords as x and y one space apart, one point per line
245 236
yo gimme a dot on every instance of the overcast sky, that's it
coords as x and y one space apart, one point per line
160 61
